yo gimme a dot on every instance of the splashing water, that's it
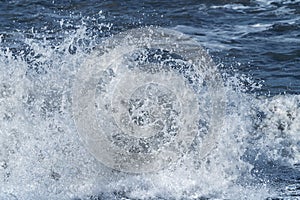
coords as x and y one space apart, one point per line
148 100
42 155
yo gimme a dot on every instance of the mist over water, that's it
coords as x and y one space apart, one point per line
257 149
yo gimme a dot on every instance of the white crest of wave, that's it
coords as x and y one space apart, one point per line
41 155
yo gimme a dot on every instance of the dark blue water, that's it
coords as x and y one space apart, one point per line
263 36
254 43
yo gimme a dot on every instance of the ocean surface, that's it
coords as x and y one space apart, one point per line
255 45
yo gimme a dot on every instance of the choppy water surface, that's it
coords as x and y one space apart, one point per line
256 47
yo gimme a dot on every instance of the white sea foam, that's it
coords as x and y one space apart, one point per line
42 157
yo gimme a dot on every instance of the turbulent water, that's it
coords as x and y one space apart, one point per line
256 47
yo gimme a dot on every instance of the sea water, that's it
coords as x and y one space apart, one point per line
255 45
